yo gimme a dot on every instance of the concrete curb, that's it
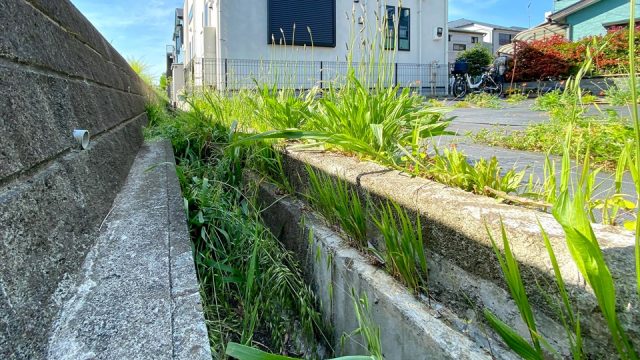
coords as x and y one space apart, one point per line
410 329
454 222
137 296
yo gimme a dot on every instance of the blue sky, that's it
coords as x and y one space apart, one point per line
138 29
141 29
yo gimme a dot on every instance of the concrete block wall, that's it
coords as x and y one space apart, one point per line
57 73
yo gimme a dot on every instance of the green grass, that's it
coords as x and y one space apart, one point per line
483 100
381 124
451 167
619 93
571 210
516 98
252 289
605 138
339 204
404 253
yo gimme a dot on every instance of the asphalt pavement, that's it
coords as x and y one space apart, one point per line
517 117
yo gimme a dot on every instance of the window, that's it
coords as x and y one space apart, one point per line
390 42
504 39
459 47
474 39
303 22
404 31
449 37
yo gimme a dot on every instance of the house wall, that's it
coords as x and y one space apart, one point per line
243 32
561 4
463 38
492 35
588 21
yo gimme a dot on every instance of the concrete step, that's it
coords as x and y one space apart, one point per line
137 297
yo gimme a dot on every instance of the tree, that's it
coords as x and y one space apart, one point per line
477 58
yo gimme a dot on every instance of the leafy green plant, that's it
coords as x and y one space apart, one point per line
477 57
367 327
339 204
569 318
382 124
516 98
548 101
282 108
511 272
635 165
585 251
619 93
243 352
267 160
451 167
483 100
404 248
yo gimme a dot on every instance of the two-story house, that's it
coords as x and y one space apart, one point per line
175 59
460 40
230 43
577 19
494 36
584 18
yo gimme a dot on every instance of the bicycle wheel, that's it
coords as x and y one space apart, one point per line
499 89
459 88
492 87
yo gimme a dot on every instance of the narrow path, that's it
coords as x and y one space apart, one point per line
517 117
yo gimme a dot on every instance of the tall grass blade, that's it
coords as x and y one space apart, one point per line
243 352
586 253
636 124
511 272
515 342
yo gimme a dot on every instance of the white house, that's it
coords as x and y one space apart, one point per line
494 35
460 40
231 43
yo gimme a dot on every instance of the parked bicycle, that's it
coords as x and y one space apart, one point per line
463 83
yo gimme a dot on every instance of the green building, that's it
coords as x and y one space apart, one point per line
590 17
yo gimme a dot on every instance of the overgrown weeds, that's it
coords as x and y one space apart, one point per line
481 100
452 167
404 253
252 288
339 204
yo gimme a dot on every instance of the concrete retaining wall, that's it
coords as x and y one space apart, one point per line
57 73
595 85
463 268
410 327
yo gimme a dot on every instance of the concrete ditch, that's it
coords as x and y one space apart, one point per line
464 273
410 328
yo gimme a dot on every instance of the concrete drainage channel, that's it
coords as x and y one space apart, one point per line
410 328
464 277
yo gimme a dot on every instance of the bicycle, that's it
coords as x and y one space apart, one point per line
489 81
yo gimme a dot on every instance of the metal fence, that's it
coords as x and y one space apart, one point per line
233 74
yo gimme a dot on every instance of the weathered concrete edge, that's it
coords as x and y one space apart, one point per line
173 325
190 336
454 223
409 328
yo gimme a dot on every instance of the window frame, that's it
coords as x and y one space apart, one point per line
475 39
296 40
390 34
408 37
505 34
462 46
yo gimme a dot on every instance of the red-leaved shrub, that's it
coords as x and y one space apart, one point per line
556 57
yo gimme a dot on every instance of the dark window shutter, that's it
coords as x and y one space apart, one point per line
317 15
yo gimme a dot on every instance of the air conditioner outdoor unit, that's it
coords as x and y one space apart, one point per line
438 33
